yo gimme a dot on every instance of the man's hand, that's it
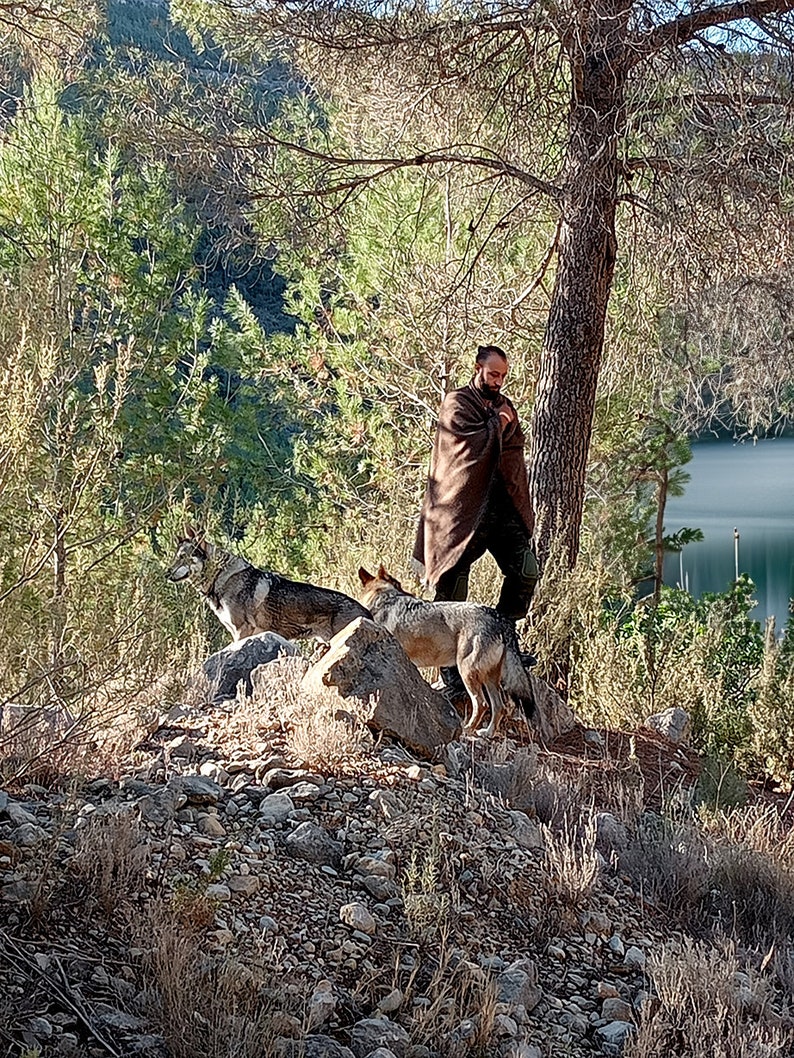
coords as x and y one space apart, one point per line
507 414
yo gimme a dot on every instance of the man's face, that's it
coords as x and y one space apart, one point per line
490 375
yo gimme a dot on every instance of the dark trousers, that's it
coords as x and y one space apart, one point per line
503 534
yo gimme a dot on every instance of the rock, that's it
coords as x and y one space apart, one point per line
371 1033
391 1002
147 1046
519 1049
358 917
634 958
616 1010
18 892
40 1027
304 792
218 891
222 672
674 724
197 789
607 991
117 1020
595 740
211 826
365 661
325 1047
553 716
277 807
322 1005
19 815
517 986
244 884
382 1052
313 843
613 1036
615 945
28 836
611 834
504 1025
382 889
526 833
278 778
376 866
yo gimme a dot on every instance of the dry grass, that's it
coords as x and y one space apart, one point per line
111 860
208 1005
751 874
667 859
571 863
320 734
707 1007
458 1022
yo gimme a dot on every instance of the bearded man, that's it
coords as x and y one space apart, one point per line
477 496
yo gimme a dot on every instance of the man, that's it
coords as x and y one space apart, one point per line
477 496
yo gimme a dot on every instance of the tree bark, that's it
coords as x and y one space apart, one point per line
565 399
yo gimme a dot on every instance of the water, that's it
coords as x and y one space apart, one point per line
750 487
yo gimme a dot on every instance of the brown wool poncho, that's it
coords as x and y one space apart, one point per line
470 451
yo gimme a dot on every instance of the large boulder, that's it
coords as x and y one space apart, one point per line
222 672
365 661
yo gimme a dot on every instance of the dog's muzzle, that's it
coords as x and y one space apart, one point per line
177 573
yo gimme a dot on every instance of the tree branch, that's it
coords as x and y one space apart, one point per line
379 166
685 28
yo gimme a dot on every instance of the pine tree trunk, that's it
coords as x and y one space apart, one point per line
565 400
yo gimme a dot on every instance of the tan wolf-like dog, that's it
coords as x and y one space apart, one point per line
477 639
247 600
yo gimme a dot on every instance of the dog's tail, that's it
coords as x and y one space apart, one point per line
515 678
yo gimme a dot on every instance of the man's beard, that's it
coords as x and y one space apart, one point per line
489 392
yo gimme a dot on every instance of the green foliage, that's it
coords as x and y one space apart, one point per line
701 655
772 711
126 396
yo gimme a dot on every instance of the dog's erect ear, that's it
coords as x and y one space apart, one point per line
188 532
382 574
363 576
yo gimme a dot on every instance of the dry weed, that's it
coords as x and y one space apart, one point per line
319 733
708 1007
111 860
667 858
459 1020
571 862
207 1005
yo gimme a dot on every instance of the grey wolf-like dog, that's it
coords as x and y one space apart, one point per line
475 638
247 600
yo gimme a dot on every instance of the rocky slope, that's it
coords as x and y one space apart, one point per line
225 893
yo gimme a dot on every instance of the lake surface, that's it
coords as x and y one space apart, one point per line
750 487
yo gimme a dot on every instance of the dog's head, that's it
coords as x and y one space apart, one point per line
374 584
192 554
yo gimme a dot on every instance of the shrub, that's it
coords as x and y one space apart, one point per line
772 710
707 1007
667 857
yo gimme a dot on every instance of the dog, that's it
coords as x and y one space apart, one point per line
247 600
477 639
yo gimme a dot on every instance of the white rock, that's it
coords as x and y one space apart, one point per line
675 724
635 958
391 1002
358 917
321 1005
277 807
615 945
